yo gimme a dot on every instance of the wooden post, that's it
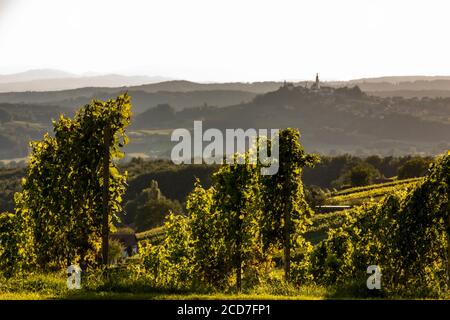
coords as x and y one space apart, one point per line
105 217
287 234
239 258
287 244
239 273
448 243
448 259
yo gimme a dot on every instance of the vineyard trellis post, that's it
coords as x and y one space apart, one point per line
105 217
448 241
287 238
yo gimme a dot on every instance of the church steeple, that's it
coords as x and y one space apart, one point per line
317 81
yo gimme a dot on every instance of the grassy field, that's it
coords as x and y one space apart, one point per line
311 294
53 286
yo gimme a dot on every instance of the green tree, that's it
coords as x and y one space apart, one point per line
149 208
116 249
416 167
237 199
286 213
16 251
362 175
63 196
171 262
407 234
315 196
208 227
4 116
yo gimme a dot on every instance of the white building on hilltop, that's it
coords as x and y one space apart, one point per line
316 85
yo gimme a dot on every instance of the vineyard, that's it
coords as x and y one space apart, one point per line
246 235
385 185
359 195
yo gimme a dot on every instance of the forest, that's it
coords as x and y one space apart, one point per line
220 231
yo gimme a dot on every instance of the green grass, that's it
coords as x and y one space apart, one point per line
312 294
152 296
53 286
129 286
125 286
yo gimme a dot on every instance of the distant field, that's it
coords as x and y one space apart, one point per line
151 132
376 186
359 195
7 162
322 222
154 235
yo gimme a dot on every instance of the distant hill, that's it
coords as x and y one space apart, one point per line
52 80
38 74
398 79
186 86
402 86
73 99
73 86
411 86
411 93
166 86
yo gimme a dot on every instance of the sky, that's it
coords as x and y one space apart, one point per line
228 40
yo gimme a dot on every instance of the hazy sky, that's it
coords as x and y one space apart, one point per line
228 40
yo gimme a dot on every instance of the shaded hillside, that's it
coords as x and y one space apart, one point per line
35 113
20 123
402 86
412 93
342 120
185 86
142 100
332 121
185 94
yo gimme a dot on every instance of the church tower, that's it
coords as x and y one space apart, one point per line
317 84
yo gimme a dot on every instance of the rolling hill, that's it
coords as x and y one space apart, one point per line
332 120
51 80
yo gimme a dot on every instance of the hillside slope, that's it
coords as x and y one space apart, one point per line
341 120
